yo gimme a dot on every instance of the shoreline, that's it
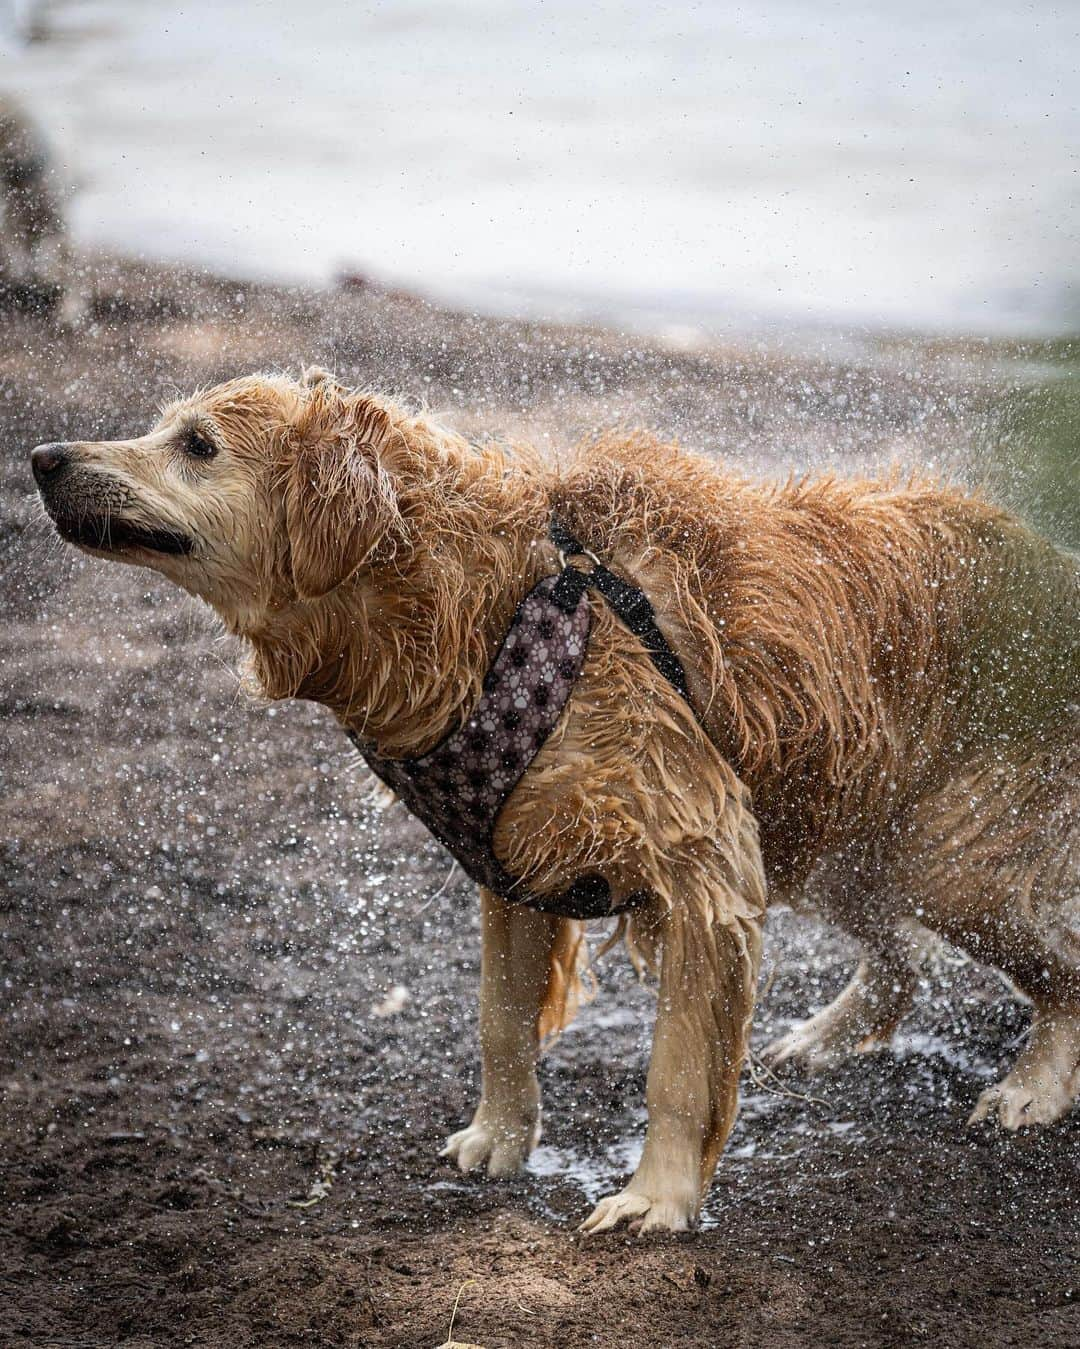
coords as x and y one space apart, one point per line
678 325
165 302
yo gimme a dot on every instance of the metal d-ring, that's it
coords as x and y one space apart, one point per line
564 557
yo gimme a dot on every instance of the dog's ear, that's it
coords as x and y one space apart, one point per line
340 503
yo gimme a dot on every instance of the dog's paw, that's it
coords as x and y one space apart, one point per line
807 1048
641 1212
505 1148
822 1042
1016 1105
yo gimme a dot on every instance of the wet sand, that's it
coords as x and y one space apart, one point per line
208 1136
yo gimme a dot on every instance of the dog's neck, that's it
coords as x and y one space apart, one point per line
399 651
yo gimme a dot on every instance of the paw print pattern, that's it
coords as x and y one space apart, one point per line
459 787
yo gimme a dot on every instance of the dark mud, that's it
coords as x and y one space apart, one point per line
208 1136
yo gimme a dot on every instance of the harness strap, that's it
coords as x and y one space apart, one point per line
458 788
627 601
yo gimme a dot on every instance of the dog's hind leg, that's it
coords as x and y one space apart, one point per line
998 874
1045 1080
864 1015
528 988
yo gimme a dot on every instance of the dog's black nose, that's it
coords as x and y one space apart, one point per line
48 460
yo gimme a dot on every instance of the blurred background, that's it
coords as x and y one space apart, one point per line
781 164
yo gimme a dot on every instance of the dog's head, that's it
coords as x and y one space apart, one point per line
253 495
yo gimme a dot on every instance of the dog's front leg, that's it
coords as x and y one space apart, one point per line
518 963
709 962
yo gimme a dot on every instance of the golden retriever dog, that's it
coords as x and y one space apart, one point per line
884 686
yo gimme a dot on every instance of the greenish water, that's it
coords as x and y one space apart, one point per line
1035 455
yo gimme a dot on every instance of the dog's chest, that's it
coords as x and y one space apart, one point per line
459 788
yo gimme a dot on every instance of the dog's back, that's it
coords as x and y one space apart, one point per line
855 643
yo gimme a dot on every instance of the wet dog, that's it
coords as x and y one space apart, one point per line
884 684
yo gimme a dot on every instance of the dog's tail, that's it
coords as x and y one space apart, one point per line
570 980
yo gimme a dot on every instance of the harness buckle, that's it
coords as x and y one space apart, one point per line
579 551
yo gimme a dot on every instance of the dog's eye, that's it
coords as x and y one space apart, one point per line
197 445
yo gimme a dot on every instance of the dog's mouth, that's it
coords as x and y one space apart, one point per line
112 534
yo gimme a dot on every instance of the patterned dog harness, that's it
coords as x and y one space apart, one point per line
459 788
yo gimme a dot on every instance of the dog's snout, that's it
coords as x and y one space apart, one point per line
48 460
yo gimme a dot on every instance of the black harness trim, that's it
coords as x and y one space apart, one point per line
458 788
631 604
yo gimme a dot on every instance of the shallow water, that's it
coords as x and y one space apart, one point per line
782 1120
833 1119
697 163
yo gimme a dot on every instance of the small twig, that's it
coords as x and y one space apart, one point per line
755 1067
453 1315
441 890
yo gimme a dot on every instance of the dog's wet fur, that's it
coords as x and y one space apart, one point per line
885 679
